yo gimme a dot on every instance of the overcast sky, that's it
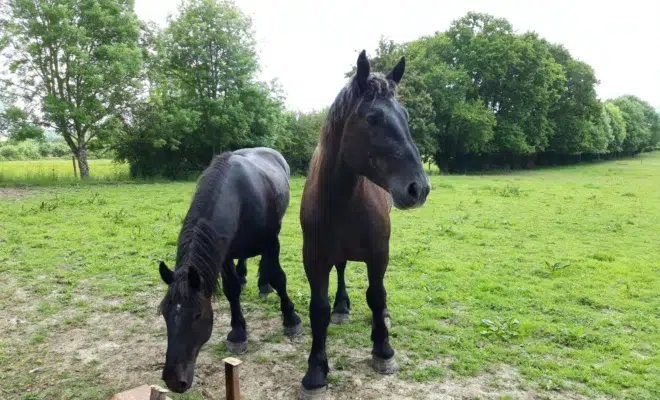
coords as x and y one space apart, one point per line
309 44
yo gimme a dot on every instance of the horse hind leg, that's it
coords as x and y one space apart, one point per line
342 306
265 288
272 273
382 353
237 337
241 271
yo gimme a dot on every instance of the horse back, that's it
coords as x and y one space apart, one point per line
274 171
260 183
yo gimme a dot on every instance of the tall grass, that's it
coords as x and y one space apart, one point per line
56 171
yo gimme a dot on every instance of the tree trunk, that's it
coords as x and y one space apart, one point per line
83 166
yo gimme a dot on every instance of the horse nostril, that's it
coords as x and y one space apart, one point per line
413 190
183 385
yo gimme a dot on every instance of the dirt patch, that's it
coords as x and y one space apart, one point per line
122 350
14 192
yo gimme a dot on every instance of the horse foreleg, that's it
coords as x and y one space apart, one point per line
237 337
382 352
318 274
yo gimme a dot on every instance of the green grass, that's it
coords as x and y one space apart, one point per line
554 273
57 171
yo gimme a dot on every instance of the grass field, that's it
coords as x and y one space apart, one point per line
539 284
50 171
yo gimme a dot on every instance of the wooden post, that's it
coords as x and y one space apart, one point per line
231 378
75 171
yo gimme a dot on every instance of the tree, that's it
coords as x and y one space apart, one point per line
642 125
203 96
82 59
577 108
211 53
461 122
618 127
299 142
513 75
17 125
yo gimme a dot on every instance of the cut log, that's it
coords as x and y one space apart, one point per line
144 392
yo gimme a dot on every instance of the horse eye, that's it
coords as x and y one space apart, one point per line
197 317
374 118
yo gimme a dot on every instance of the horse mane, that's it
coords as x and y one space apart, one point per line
197 247
206 192
347 101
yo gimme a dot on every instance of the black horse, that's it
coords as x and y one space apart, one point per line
365 162
236 213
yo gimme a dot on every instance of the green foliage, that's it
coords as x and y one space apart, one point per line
577 107
299 141
81 59
482 95
203 94
506 330
642 124
18 125
479 95
617 125
31 149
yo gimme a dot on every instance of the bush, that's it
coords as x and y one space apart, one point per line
9 152
298 143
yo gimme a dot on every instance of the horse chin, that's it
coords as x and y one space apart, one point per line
404 205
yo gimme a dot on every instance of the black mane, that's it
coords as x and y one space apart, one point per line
197 247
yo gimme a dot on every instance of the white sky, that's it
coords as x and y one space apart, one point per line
309 44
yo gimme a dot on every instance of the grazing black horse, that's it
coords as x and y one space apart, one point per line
236 213
365 160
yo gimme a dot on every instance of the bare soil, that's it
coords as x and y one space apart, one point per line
125 351
14 192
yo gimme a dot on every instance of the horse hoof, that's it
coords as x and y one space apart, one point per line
295 330
237 347
383 366
312 394
339 318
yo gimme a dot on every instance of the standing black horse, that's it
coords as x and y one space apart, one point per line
236 213
364 162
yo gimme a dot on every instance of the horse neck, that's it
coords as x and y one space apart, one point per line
337 181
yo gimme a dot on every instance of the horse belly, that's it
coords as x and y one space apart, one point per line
247 245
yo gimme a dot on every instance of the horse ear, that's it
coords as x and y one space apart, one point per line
397 72
194 279
165 274
363 70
